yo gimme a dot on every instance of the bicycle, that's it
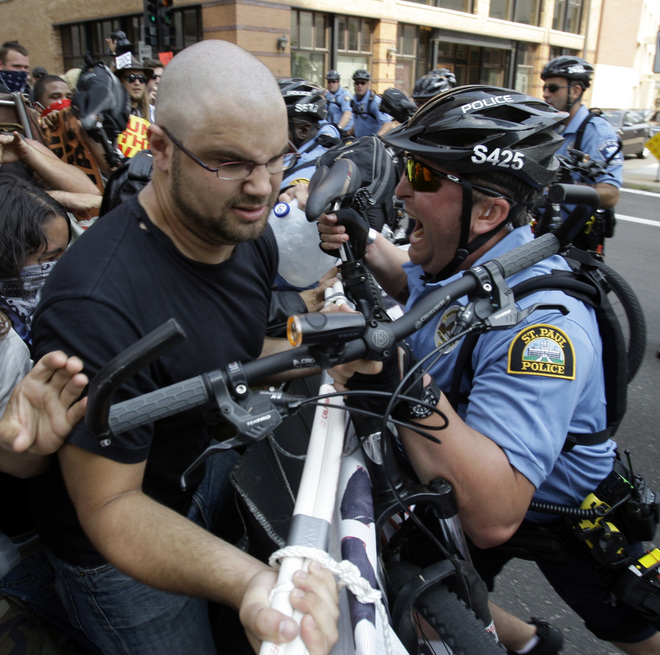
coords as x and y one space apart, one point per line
438 592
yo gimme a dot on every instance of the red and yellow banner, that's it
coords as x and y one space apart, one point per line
134 137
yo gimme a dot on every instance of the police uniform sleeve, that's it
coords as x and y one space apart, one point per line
534 384
600 142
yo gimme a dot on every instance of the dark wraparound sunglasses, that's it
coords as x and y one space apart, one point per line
553 88
132 77
424 178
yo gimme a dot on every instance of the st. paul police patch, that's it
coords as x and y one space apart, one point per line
542 350
445 326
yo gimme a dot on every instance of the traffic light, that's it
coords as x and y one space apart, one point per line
151 9
159 23
166 24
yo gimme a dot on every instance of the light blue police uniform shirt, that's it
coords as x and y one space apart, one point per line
599 141
528 414
367 115
309 153
338 103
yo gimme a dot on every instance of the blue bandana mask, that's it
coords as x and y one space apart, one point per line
15 81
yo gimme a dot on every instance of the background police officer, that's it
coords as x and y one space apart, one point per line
339 102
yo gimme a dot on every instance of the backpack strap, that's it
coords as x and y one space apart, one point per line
589 286
583 126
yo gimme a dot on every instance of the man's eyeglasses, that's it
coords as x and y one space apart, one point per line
553 88
360 82
132 77
424 178
239 170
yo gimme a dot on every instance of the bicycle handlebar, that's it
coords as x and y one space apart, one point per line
330 185
375 342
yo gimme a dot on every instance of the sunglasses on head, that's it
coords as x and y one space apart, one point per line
132 77
553 88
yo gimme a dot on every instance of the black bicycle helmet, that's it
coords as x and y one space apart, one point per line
361 74
474 129
303 99
332 76
447 74
574 69
428 86
101 99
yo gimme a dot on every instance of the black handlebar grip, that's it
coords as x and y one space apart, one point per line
519 259
330 185
122 367
574 194
158 404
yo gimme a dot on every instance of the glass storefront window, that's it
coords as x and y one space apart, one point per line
309 49
517 11
77 38
567 16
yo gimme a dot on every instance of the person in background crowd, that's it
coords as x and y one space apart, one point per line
37 410
33 161
34 233
565 79
14 68
365 105
430 85
339 102
134 78
50 89
152 85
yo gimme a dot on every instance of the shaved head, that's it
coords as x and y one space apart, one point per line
211 77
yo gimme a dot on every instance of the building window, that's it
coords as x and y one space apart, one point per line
309 45
524 68
354 44
89 36
311 36
517 11
473 64
568 15
466 6
413 55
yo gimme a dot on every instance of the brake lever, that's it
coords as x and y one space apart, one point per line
254 414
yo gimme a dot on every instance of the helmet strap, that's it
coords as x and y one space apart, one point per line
465 249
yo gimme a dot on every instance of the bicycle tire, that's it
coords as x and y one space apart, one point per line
631 317
459 629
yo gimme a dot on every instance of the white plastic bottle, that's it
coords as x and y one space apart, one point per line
302 262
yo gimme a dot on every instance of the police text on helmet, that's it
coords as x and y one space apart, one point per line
488 102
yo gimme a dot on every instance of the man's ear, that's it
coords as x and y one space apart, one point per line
161 147
489 214
576 92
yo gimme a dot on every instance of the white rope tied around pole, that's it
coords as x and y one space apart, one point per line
348 575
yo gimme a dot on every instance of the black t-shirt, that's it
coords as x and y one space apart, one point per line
118 282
